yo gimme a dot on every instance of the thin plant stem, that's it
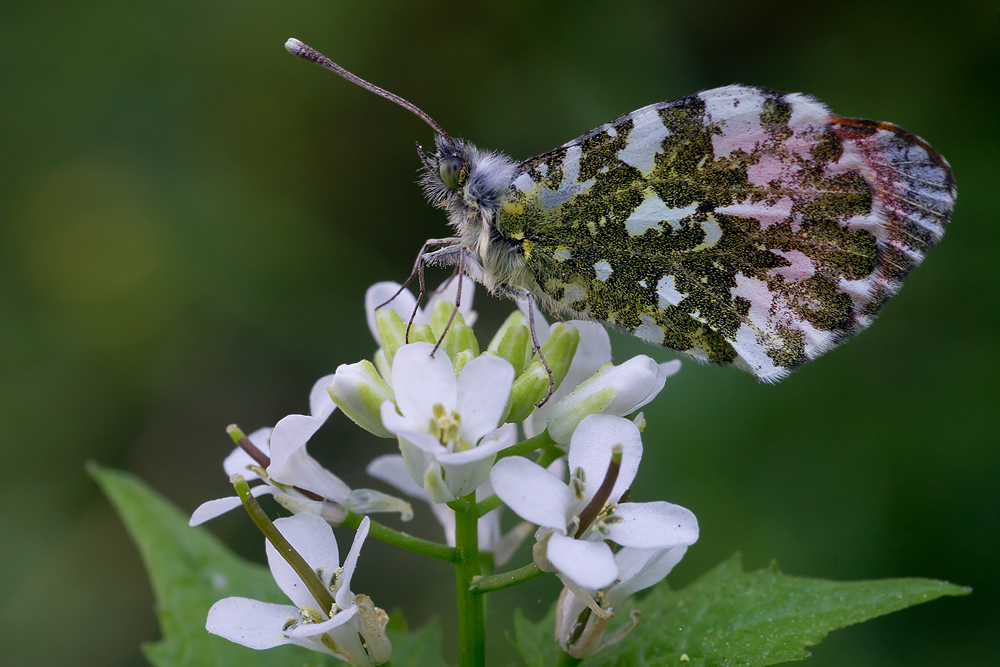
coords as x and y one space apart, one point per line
548 454
488 504
496 582
471 623
403 540
525 446
308 576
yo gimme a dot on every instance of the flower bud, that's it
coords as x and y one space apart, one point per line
533 384
530 388
559 349
359 391
392 331
459 335
513 342
613 390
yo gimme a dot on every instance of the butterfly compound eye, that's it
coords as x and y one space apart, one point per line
450 169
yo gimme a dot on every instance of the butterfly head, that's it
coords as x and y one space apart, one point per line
463 179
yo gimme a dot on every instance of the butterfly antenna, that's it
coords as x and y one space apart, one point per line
297 48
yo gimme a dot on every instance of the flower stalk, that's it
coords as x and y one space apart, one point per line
403 540
498 582
471 614
287 551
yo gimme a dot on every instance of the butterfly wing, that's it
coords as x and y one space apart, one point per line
739 225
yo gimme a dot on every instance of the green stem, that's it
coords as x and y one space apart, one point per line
496 582
471 624
308 576
548 454
488 504
403 540
525 446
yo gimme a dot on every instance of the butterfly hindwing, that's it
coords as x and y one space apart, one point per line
739 225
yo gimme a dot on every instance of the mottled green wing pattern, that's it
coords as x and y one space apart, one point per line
739 225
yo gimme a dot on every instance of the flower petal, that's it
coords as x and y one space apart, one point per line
391 469
291 464
531 492
656 525
466 471
420 381
252 623
637 382
213 508
313 539
378 294
344 597
591 448
321 405
589 564
640 569
483 389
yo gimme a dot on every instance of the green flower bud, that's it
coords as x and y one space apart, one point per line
559 349
392 331
422 333
529 388
513 342
459 336
359 391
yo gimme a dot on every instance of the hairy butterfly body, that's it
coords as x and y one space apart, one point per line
739 225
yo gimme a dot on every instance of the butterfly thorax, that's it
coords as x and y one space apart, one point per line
470 184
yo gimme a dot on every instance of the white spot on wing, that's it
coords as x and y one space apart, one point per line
667 291
764 213
652 211
713 232
648 132
760 297
736 110
801 266
603 270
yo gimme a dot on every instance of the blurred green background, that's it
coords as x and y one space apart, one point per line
189 217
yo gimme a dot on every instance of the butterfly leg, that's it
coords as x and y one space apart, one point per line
538 349
459 270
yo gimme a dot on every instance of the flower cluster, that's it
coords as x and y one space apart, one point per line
455 413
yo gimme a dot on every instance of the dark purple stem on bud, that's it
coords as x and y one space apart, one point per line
594 507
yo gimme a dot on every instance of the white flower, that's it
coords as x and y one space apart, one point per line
297 480
571 541
640 569
391 469
447 427
351 631
613 390
405 303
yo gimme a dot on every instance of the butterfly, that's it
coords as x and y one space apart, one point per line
739 226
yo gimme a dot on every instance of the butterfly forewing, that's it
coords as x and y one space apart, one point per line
739 225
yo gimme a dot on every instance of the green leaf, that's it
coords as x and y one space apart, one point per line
730 617
190 570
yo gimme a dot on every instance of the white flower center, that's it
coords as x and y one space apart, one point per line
445 427
311 615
